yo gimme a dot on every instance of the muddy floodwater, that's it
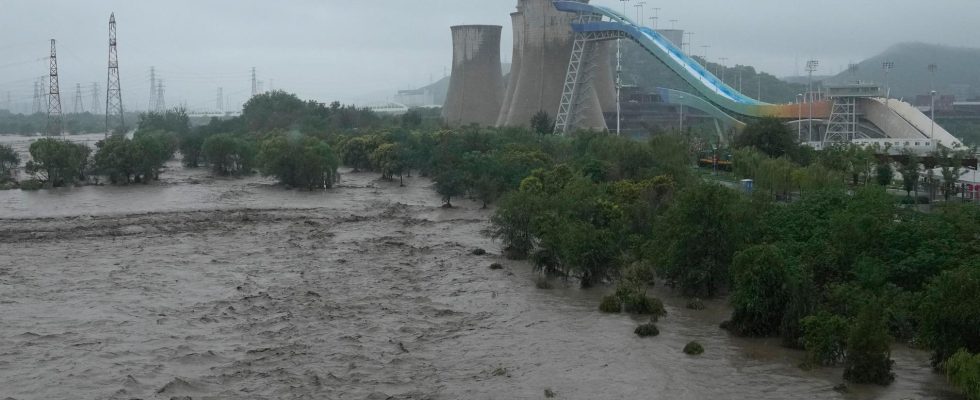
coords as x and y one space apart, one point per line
197 287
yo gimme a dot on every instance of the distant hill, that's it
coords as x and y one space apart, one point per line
643 70
958 70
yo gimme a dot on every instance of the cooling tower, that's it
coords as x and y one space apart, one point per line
542 45
517 21
476 89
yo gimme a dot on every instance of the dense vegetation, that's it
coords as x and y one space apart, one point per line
822 253
32 124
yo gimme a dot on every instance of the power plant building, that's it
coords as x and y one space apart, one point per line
476 89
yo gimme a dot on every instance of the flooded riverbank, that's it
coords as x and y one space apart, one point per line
213 288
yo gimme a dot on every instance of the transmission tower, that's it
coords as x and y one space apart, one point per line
95 98
153 90
55 123
114 118
37 97
79 107
255 87
161 103
220 101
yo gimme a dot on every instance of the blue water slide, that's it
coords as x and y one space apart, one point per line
703 81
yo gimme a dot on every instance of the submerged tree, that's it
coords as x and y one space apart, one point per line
9 160
868 358
299 161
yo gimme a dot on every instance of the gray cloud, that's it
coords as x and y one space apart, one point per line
358 51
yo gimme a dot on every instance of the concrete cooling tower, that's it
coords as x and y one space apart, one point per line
476 89
542 47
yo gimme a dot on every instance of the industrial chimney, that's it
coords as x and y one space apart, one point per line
476 89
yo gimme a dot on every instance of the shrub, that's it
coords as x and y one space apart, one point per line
305 161
963 370
759 291
950 313
694 349
610 304
824 338
31 184
543 283
647 330
868 358
57 162
695 304
9 160
228 154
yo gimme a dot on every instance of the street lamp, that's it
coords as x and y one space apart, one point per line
799 120
681 120
639 12
673 24
932 131
690 42
724 68
656 16
811 67
887 66
619 79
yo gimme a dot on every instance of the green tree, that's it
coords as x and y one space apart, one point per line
868 358
275 110
57 162
542 124
299 161
176 121
770 136
963 370
449 184
759 291
909 168
825 339
9 161
950 313
412 119
884 174
228 154
696 238
951 167
116 158
389 159
356 152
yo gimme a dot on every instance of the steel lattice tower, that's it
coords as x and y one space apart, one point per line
79 106
95 98
114 118
55 123
161 103
37 97
255 87
153 90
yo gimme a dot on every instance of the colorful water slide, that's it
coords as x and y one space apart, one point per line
604 20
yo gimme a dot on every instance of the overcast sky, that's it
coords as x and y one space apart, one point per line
362 51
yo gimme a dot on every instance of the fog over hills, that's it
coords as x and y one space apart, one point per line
957 73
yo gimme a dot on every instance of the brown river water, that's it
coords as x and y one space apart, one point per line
197 287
